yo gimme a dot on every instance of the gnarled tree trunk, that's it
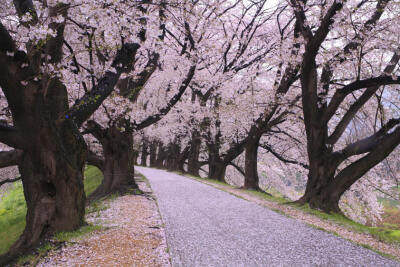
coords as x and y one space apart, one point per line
51 169
118 161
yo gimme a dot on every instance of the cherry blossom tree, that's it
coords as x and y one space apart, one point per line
39 86
340 74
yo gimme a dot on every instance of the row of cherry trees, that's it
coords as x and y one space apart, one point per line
314 83
71 73
200 86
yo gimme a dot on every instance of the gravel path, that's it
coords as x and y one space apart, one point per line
209 227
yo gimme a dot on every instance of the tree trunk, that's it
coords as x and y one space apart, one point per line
217 171
251 173
318 195
161 156
143 158
193 159
182 158
153 153
324 193
52 178
118 164
172 160
135 157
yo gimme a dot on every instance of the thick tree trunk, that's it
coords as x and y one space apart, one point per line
251 173
52 178
320 176
324 193
216 167
118 164
194 153
319 196
153 153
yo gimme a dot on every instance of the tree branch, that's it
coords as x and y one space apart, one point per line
155 118
237 168
95 160
10 158
9 181
368 144
281 158
85 106
10 136
131 87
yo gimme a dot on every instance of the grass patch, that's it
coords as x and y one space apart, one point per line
383 233
78 234
267 196
13 208
12 216
34 258
93 178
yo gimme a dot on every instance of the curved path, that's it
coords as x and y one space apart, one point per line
209 227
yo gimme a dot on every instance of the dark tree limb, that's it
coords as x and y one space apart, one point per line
237 168
95 160
155 118
85 106
349 175
370 143
10 158
9 181
131 88
10 136
283 159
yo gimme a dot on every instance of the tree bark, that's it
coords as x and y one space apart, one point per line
182 159
194 153
118 163
52 176
172 160
217 170
143 157
135 157
161 156
251 180
153 153
325 193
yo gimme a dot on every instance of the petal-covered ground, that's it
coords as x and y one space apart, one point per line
134 236
209 227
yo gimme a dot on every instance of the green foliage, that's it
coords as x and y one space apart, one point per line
13 208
